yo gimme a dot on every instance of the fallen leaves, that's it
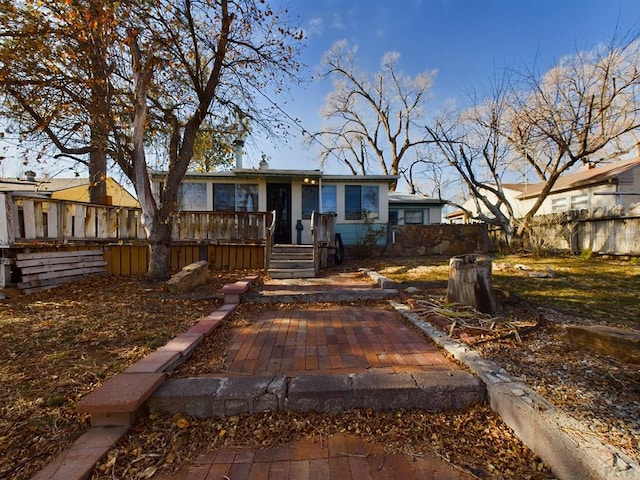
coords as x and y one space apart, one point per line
59 345
476 441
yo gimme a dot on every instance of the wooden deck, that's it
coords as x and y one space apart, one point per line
228 240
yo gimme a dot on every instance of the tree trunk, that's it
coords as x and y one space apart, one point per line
470 282
98 177
159 236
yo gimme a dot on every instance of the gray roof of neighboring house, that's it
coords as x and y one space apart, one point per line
412 198
583 178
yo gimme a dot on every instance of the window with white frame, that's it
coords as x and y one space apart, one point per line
579 202
192 196
558 204
361 200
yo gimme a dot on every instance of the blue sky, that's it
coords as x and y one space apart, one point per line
466 41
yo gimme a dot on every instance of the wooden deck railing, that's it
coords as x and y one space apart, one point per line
31 220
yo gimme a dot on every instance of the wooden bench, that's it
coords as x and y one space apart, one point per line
42 271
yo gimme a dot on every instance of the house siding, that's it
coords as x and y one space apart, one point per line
297 180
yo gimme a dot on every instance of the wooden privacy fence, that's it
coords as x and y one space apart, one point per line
227 239
613 230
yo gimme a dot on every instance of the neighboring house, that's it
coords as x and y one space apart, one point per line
357 201
612 184
511 192
70 189
412 209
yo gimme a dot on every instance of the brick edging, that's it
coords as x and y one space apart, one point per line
113 408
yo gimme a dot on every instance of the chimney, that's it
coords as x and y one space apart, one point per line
30 176
237 150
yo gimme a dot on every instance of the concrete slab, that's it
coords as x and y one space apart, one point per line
257 393
211 396
191 396
384 391
204 327
320 393
183 344
450 390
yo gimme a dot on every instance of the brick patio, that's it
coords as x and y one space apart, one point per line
339 457
332 339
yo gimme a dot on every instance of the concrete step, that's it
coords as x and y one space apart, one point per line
208 397
292 249
291 264
282 273
295 255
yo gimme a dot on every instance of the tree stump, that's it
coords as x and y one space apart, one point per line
470 282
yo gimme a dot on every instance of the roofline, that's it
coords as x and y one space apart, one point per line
291 174
612 171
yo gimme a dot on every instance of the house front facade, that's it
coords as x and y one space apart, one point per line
294 195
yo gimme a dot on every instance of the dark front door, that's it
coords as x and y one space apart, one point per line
279 199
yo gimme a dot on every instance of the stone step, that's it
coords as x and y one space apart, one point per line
115 403
208 397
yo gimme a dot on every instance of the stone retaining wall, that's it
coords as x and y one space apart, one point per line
442 239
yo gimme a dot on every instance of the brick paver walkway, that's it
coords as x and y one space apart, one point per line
325 339
340 457
331 339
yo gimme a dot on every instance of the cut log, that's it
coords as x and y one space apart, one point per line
470 282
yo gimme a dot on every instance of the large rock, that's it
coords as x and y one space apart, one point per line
617 342
189 277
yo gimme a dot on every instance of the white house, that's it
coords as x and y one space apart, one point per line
357 201
511 192
611 184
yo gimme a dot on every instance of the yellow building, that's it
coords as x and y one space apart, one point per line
70 189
